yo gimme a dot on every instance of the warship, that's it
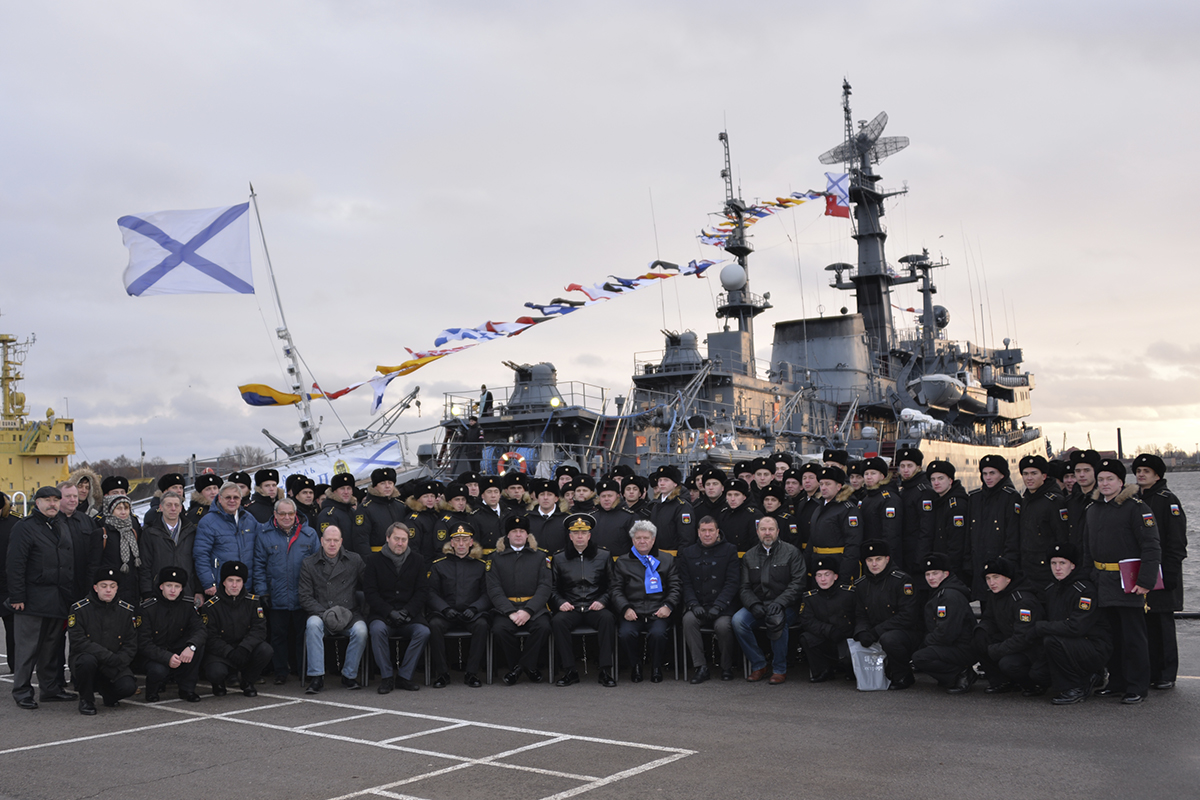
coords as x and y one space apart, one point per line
854 381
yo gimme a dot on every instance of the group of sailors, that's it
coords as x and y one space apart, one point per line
253 577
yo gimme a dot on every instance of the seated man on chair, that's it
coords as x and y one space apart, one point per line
645 591
329 584
773 577
710 574
458 600
580 597
395 584
519 585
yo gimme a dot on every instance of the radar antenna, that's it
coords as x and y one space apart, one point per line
866 146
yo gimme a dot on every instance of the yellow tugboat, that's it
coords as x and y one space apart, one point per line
32 454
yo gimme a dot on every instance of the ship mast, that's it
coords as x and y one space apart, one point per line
738 302
871 281
308 428
13 354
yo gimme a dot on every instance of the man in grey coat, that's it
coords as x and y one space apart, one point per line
329 585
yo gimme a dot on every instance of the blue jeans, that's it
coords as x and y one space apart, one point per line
381 648
744 626
314 643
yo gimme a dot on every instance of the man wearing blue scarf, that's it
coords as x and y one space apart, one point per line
645 591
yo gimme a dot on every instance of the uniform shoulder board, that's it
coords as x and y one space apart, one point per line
899 573
885 493
1010 490
125 605
849 587
250 596
212 600
859 580
1016 595
443 558
149 601
366 501
1080 586
81 603
1053 495
810 593
954 502
446 518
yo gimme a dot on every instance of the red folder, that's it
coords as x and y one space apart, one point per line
1129 575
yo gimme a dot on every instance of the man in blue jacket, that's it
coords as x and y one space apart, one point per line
280 547
226 533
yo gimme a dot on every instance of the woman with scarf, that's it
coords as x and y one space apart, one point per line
115 546
645 591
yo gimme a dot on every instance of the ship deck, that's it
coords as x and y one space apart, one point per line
669 740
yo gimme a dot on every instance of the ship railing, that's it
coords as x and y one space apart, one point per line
574 394
747 298
650 363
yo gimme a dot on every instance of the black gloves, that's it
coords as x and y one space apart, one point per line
758 610
468 614
865 638
400 617
700 613
452 614
774 608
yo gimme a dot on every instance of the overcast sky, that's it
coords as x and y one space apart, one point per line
427 165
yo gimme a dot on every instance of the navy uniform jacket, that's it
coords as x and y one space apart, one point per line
1172 535
993 525
107 631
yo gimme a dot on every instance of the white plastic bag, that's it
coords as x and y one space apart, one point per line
868 666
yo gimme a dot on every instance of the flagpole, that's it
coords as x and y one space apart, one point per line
308 427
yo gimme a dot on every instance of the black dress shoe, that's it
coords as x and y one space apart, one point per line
441 681
535 676
727 674
386 685
1109 691
351 683
903 682
821 677
87 707
1070 697
512 676
568 678
280 680
606 678
472 680
963 682
61 696
190 697
315 685
701 675
1034 691
218 690
406 685
27 703
635 673
1163 685
249 691
656 675
1000 688
1131 699
151 697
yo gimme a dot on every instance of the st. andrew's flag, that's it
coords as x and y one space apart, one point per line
188 252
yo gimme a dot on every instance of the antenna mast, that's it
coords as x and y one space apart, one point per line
308 428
